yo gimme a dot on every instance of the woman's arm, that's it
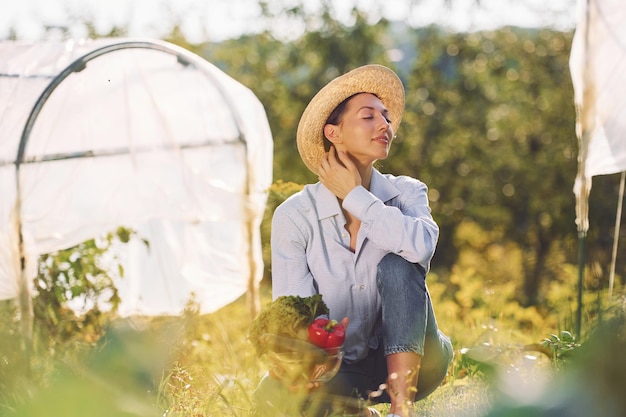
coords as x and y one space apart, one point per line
406 228
290 270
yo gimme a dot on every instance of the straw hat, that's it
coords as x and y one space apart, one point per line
375 79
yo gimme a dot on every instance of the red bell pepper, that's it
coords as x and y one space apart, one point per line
327 334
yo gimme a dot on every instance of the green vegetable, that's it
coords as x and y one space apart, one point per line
287 316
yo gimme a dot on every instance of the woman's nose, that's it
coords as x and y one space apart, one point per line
384 124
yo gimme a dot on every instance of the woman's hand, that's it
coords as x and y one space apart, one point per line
344 322
338 173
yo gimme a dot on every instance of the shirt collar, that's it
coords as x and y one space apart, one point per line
382 187
327 204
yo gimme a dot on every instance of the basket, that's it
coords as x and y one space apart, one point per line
293 361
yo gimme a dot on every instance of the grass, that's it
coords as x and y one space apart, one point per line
216 370
202 365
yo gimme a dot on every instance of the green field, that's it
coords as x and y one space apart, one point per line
204 365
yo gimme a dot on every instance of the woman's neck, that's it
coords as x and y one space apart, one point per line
366 176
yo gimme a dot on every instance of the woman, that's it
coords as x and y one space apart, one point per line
364 240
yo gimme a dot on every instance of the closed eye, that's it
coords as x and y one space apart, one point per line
371 117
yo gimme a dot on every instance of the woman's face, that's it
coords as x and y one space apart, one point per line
364 130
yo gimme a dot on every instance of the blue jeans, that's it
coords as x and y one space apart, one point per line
408 324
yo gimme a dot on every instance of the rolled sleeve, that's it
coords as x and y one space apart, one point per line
402 225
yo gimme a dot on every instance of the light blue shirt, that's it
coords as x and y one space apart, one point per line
311 248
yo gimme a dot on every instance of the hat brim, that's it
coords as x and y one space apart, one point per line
375 79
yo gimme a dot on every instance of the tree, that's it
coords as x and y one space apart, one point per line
490 127
286 75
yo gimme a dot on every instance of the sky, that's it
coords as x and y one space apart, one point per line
215 20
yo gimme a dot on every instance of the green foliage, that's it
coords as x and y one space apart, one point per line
74 301
114 378
560 347
590 383
289 316
488 125
493 110
13 364
286 75
74 293
215 368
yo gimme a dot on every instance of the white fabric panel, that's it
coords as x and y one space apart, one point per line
598 70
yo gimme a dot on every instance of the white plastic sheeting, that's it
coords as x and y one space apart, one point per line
116 132
598 70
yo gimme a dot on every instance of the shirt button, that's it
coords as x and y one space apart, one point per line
344 235
362 286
